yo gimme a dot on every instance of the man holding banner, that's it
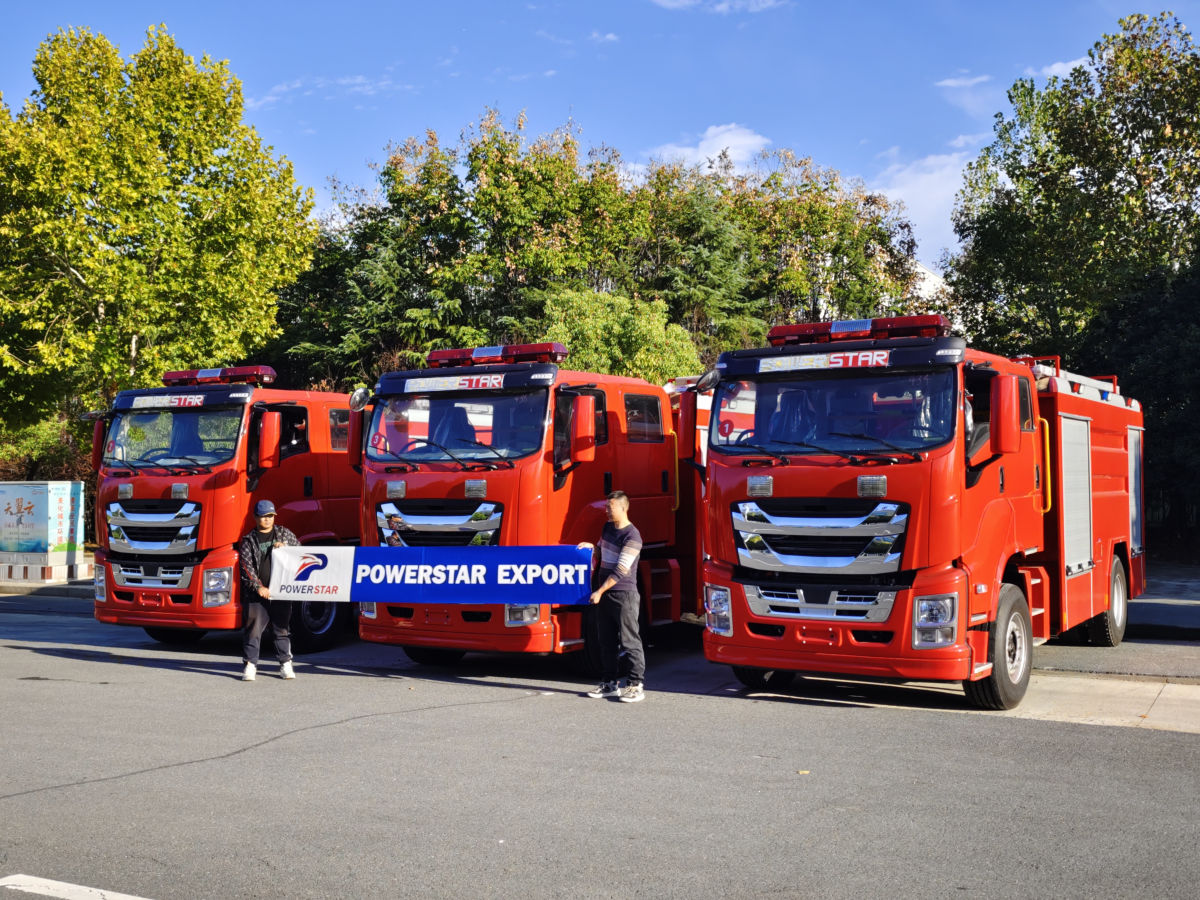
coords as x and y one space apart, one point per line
619 602
254 554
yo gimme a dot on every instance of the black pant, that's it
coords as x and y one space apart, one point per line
259 614
619 628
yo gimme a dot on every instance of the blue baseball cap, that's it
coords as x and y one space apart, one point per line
264 508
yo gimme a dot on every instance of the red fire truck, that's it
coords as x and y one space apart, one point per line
884 501
179 469
499 446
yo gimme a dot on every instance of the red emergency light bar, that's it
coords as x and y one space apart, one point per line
235 375
510 353
859 329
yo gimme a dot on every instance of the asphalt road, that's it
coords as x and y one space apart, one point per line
156 772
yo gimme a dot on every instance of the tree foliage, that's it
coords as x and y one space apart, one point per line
1080 225
1089 185
481 243
143 225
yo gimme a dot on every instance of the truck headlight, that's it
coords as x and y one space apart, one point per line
935 621
521 614
367 609
218 586
718 617
99 589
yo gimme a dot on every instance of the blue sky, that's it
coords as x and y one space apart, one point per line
900 95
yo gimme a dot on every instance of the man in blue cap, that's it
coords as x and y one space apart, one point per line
255 553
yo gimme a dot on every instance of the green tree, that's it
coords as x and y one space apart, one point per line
143 225
618 336
1090 184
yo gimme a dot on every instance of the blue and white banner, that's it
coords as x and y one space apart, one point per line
557 574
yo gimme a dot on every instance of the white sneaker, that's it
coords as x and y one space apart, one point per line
249 672
606 689
286 671
632 693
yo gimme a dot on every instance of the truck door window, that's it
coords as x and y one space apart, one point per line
643 419
339 429
293 437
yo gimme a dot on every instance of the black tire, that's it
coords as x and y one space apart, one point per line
433 656
1108 628
764 679
176 637
1010 651
316 625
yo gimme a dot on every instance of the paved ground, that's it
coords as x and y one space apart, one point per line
155 772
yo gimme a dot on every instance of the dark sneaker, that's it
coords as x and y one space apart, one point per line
606 689
632 693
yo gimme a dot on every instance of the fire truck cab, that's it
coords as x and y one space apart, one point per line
884 501
179 469
499 446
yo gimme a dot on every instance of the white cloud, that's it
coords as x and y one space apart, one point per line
554 38
741 143
1059 69
722 7
607 38
274 95
927 187
964 81
970 140
973 94
331 88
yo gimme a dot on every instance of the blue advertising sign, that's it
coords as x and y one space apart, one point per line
555 574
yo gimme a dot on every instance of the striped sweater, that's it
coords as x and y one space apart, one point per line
619 551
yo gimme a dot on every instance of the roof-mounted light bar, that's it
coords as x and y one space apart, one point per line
234 375
509 353
859 329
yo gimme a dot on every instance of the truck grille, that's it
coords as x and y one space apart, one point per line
153 527
827 536
439 523
815 601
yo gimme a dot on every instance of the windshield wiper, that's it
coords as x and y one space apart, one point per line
761 449
858 435
808 445
508 462
445 450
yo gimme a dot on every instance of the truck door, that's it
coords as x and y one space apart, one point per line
576 509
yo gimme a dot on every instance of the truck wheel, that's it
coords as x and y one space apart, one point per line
764 679
1108 628
1010 651
433 656
315 625
177 637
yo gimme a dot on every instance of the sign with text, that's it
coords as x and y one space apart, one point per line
555 574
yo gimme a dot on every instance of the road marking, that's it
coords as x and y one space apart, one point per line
28 884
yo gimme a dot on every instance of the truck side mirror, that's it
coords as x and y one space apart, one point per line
98 430
583 429
355 438
268 440
1005 422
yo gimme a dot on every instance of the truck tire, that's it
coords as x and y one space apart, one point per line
764 679
1108 628
316 625
176 637
433 656
1010 651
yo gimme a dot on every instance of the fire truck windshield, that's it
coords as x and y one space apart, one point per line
475 426
175 438
867 412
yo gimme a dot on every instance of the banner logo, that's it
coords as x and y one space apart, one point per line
309 563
